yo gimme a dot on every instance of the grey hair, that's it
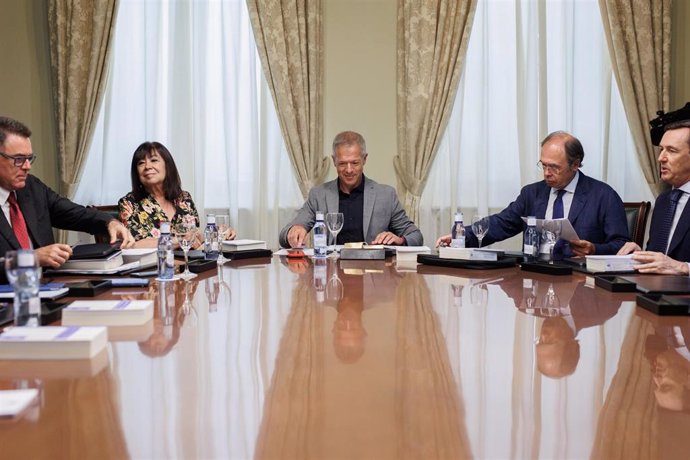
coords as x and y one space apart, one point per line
349 138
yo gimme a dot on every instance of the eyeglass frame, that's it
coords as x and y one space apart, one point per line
19 160
556 169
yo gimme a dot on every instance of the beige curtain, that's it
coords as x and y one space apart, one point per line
430 414
81 33
289 39
292 423
627 422
638 33
432 42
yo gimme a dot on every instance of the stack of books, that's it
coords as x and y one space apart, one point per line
242 245
610 263
107 313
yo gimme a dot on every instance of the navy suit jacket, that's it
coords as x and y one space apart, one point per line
596 213
44 209
679 248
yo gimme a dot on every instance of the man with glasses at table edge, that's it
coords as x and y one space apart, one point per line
668 247
30 209
372 211
594 209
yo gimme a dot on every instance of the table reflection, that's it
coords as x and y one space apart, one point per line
389 364
172 307
566 309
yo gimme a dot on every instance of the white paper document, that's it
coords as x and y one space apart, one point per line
13 402
568 233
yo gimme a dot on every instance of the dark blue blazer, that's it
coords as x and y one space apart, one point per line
679 248
596 213
44 209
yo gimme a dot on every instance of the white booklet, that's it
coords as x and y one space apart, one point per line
52 342
107 313
568 233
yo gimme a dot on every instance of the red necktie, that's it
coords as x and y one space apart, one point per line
18 222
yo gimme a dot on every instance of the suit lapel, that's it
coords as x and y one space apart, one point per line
7 232
542 202
332 197
681 228
368 205
579 199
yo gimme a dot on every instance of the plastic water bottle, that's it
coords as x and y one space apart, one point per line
166 258
530 244
457 232
320 274
320 237
211 238
26 280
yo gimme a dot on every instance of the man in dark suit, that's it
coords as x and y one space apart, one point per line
30 209
668 247
594 209
372 211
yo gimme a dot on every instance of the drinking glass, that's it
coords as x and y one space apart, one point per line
223 225
334 288
480 225
186 234
334 222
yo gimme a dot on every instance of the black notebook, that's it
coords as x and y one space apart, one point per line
94 251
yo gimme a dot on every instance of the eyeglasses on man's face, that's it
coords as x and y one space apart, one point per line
19 160
555 169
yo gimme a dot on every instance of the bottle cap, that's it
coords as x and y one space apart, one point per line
319 215
531 221
165 227
25 259
211 219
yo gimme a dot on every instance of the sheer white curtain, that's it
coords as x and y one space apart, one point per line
187 74
531 68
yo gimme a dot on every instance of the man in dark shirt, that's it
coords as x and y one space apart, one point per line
372 211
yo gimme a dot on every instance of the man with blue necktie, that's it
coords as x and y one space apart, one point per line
668 247
594 209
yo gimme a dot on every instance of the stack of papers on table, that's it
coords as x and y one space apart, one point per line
610 263
14 402
242 245
147 257
52 342
107 313
467 254
409 253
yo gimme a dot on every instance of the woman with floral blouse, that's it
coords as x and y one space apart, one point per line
156 196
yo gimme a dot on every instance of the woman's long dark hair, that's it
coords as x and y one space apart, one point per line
172 185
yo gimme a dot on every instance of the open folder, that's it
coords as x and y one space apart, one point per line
568 233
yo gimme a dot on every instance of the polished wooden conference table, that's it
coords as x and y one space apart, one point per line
274 359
